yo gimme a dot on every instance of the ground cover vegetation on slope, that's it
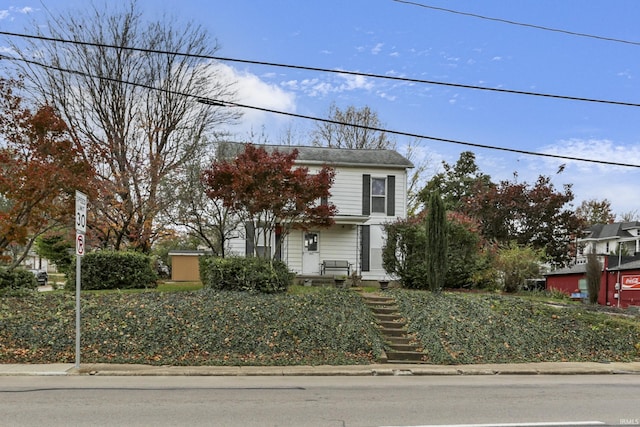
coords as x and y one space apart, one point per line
460 328
191 328
327 326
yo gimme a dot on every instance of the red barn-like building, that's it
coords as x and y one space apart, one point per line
619 280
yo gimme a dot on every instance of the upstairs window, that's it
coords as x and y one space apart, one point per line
378 195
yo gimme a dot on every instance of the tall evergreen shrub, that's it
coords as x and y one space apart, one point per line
594 274
436 248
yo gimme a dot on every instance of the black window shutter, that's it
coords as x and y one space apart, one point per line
391 195
365 246
366 194
278 253
250 233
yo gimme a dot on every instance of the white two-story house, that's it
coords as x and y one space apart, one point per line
618 238
369 190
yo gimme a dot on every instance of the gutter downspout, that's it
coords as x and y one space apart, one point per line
606 287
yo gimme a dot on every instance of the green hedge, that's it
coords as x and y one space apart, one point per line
115 270
17 282
245 274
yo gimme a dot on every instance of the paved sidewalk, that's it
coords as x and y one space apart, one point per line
551 368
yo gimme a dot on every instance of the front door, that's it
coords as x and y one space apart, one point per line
311 253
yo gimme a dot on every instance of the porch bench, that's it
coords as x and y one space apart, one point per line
335 264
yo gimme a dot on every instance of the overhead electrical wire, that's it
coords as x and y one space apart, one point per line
333 71
221 103
521 24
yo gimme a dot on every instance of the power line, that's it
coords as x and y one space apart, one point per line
521 24
333 71
221 103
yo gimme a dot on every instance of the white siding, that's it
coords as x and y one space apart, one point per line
292 253
346 192
342 242
339 242
237 246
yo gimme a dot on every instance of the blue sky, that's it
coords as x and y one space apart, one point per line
392 38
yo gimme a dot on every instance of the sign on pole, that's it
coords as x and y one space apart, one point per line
81 212
81 229
79 244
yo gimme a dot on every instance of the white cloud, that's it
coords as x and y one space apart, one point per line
7 13
618 184
387 96
626 74
596 149
377 48
497 58
333 85
251 90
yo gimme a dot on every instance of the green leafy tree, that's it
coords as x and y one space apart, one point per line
436 245
403 254
469 257
518 263
57 248
468 254
457 183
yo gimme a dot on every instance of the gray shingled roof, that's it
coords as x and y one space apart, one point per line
330 156
608 231
628 263
574 269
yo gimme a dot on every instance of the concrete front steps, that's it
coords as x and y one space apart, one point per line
399 348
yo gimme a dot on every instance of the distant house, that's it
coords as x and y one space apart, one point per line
369 190
617 246
607 239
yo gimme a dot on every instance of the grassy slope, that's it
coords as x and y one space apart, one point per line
190 328
330 326
458 328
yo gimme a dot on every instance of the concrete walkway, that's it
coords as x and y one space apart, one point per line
551 368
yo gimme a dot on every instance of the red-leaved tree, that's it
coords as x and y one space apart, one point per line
538 215
266 192
40 169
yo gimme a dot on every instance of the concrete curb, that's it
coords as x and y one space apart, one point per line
551 368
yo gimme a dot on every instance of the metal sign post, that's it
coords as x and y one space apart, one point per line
81 229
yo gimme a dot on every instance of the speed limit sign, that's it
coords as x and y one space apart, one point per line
81 212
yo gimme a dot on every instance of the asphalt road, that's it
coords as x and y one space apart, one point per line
318 401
